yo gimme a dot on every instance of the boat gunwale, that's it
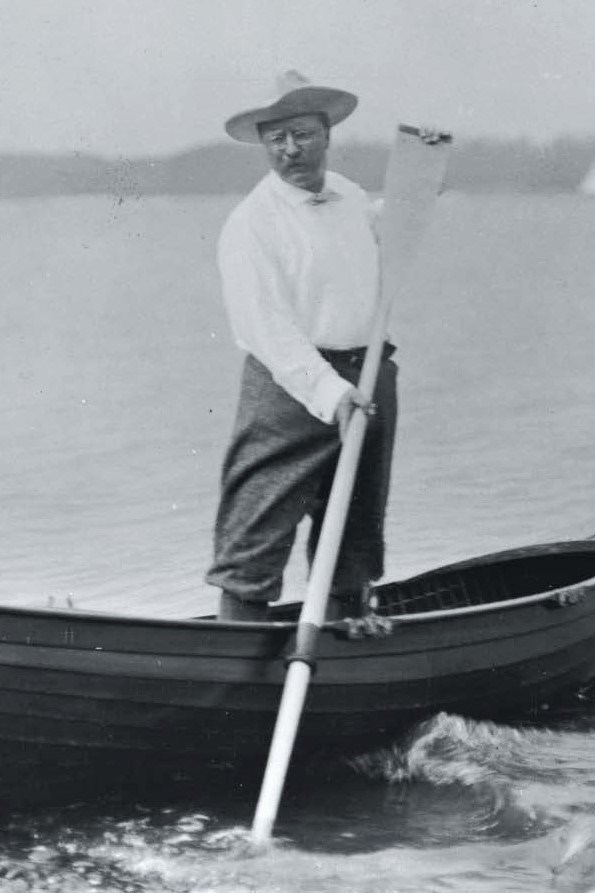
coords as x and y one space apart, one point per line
338 626
507 604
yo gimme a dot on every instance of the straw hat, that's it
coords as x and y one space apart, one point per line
295 96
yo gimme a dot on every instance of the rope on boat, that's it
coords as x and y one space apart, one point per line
372 626
375 626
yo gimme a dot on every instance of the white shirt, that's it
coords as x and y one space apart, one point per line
297 276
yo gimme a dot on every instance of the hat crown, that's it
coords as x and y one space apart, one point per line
290 80
295 95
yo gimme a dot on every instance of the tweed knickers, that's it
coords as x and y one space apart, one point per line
279 468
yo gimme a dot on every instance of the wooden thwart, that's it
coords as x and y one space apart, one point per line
414 176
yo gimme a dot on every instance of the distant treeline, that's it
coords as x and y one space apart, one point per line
480 165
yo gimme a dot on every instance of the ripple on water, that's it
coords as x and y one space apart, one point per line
502 781
456 805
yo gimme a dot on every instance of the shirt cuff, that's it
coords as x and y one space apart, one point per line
330 387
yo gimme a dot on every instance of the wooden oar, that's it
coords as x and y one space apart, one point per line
414 176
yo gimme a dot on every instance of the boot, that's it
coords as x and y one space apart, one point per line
343 605
234 607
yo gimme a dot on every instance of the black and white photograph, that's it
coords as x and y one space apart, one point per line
297 446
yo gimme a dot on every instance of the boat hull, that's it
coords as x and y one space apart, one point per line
77 686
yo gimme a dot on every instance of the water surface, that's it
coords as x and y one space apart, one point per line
119 382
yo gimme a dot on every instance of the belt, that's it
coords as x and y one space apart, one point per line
355 355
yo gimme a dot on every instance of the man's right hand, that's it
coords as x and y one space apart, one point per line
345 407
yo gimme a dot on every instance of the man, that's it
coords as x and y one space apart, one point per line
299 267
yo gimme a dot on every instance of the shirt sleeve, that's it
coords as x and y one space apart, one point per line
375 209
257 299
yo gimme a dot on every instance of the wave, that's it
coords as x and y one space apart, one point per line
513 782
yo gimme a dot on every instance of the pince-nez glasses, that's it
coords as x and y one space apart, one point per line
301 137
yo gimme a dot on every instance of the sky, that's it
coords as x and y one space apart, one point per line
135 77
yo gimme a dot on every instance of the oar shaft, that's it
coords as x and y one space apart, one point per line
311 618
333 525
288 718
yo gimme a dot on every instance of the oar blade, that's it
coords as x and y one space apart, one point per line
414 177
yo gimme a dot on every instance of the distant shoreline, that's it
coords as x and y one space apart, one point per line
481 165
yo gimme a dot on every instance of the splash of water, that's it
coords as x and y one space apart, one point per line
529 781
449 749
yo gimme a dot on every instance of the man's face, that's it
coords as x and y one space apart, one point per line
296 149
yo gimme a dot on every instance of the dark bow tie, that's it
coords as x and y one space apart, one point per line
327 195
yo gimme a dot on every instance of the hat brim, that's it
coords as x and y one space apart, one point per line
335 104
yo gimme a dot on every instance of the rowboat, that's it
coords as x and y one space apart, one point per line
492 636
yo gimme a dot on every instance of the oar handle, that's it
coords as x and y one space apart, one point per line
433 136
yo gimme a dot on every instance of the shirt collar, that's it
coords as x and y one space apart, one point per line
296 196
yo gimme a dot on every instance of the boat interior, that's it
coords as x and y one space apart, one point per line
476 582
